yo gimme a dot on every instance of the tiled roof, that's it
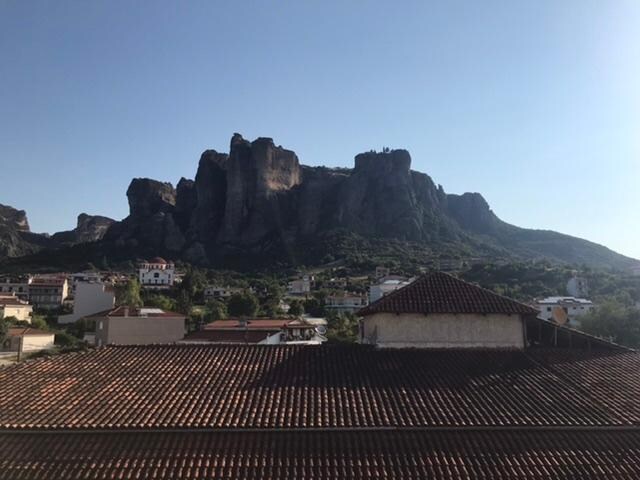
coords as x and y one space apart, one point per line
124 311
22 331
440 292
12 301
236 386
230 335
251 324
323 455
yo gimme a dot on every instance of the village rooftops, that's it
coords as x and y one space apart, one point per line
26 331
147 312
12 300
440 292
564 300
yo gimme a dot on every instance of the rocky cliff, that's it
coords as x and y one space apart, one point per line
258 204
258 200
89 228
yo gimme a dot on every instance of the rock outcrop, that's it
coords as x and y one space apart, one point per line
257 203
258 199
89 228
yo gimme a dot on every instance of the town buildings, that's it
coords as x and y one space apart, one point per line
12 306
386 285
213 292
345 302
441 311
578 286
258 331
157 273
89 298
48 292
564 310
300 286
137 326
28 340
18 285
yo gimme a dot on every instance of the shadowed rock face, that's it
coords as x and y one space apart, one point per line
13 218
258 200
89 228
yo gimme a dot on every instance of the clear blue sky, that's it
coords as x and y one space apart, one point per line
535 104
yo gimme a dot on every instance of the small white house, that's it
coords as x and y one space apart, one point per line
300 286
345 302
12 306
26 339
386 285
213 292
564 310
157 273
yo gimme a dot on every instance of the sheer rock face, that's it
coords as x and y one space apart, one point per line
257 173
89 228
148 197
14 218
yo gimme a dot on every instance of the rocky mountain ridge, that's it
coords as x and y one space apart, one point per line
258 203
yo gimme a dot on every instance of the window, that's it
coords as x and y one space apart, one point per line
100 325
156 275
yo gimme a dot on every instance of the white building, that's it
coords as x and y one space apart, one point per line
385 286
27 339
157 273
578 287
301 286
564 310
345 302
213 292
83 277
12 306
90 298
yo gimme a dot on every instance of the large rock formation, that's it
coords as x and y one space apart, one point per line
89 228
258 203
258 199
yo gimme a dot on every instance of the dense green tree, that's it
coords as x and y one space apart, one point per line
160 301
193 284
296 308
184 302
342 327
4 330
243 304
615 320
129 293
215 310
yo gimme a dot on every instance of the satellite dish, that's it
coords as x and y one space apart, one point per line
559 315
321 329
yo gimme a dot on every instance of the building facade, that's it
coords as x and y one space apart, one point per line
564 310
138 326
441 311
90 298
345 302
16 285
157 273
48 292
12 306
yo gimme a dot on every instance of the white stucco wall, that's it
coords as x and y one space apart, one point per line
443 331
90 298
21 312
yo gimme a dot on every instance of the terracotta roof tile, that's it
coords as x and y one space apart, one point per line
235 386
443 293
323 455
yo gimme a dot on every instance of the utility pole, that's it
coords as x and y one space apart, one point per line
20 346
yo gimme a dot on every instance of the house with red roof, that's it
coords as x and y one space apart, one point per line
439 310
126 325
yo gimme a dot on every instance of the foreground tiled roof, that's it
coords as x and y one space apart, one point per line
323 455
439 292
204 386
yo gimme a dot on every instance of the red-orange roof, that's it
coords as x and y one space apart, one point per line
440 292
25 331
252 324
